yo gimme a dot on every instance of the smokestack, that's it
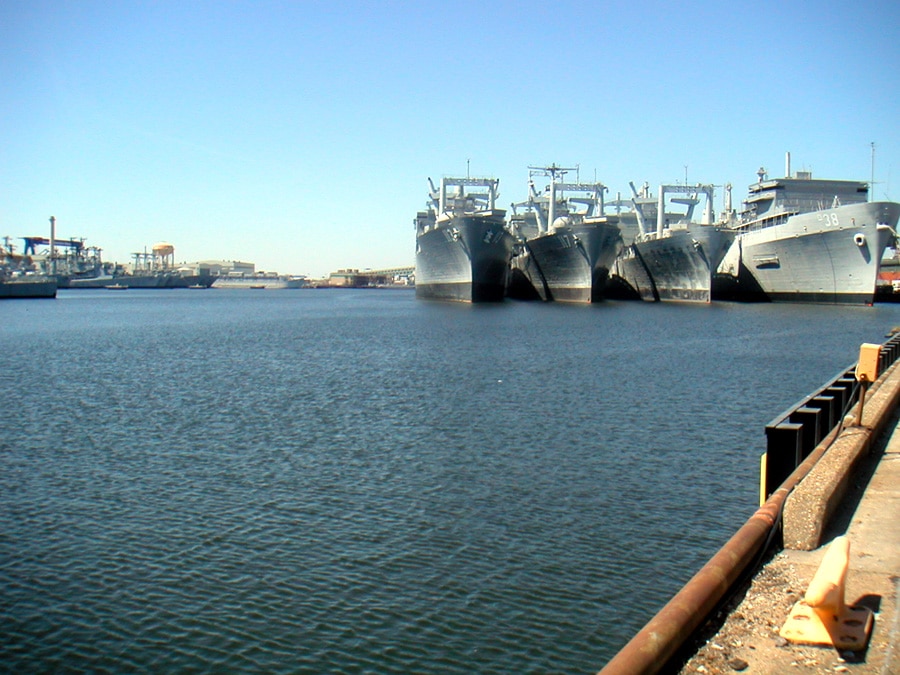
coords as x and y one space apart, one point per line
787 165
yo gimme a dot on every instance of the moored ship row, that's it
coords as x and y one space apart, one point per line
72 264
48 264
796 239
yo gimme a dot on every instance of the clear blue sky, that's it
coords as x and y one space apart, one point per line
300 135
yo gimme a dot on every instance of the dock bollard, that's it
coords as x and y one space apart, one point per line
822 618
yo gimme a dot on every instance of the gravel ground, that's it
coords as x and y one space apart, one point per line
748 641
744 637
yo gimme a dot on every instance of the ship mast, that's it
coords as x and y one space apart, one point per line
872 180
553 171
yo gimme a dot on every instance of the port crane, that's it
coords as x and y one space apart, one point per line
31 243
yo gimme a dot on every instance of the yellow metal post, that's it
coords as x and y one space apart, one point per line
762 478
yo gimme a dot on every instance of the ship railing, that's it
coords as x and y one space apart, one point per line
767 221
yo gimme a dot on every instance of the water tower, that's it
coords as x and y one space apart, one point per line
163 255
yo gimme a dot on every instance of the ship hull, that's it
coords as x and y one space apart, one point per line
682 264
602 242
189 280
276 283
569 265
28 288
831 256
562 266
629 278
127 280
150 280
465 259
526 282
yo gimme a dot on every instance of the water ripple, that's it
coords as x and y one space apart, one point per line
315 482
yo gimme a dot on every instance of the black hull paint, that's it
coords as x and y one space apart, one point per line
569 265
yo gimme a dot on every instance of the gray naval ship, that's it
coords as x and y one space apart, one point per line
73 264
15 283
566 244
463 244
673 257
806 240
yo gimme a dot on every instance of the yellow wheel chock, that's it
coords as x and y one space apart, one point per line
822 618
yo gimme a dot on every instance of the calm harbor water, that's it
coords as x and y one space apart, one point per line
356 481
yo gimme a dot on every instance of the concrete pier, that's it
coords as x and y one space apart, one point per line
865 473
728 617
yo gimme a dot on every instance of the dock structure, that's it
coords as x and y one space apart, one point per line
868 516
845 483
354 278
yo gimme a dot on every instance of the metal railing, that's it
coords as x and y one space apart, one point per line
795 433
